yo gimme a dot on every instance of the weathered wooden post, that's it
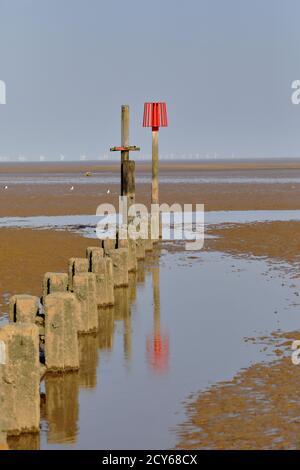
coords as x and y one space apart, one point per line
121 242
130 245
119 259
76 266
61 332
127 166
98 266
155 116
124 131
28 309
93 254
102 268
55 282
84 287
128 177
108 244
154 192
24 309
19 379
103 271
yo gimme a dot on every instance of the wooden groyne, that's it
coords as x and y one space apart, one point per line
46 335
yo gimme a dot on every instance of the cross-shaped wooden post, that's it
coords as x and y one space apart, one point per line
127 166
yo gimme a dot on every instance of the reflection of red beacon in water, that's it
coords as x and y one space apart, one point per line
158 352
157 345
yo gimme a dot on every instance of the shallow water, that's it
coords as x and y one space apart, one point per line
106 178
178 328
86 224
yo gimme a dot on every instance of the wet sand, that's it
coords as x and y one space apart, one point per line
26 255
271 240
46 198
257 409
24 200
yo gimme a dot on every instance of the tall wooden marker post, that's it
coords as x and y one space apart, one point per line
155 116
127 166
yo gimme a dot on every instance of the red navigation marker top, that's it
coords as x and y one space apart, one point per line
155 115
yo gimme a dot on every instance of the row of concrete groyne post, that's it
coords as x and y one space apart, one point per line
42 336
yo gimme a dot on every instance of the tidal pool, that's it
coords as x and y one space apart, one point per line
177 329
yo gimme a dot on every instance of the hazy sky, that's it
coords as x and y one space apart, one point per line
224 67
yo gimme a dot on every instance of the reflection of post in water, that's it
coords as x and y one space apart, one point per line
141 272
156 299
124 298
23 442
132 278
157 343
88 360
123 313
121 303
3 441
106 328
62 407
